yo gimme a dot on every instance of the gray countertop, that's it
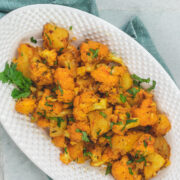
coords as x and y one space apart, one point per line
162 19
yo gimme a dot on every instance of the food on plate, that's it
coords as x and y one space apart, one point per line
91 106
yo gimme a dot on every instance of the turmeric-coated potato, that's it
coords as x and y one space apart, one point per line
55 37
162 126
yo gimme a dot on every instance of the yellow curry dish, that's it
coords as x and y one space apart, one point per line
90 105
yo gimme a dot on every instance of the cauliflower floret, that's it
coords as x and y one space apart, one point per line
99 122
59 141
43 123
65 157
92 52
85 103
112 58
96 157
54 37
49 56
125 143
102 74
40 73
25 53
26 105
78 130
146 113
122 171
76 152
68 59
52 109
109 155
162 126
145 144
65 84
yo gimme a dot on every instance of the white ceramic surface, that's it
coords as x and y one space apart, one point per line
25 22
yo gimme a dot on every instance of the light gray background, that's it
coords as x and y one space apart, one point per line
162 19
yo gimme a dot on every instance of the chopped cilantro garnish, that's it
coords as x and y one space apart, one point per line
61 90
122 98
108 138
145 144
129 162
133 91
98 132
152 87
130 171
70 28
88 53
128 121
21 54
71 119
86 153
60 50
44 61
84 135
112 124
128 115
55 62
11 75
94 52
50 43
33 40
58 119
104 115
137 78
108 169
47 104
65 150
112 67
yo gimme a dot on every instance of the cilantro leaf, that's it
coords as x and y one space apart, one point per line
104 115
50 43
137 78
11 75
152 87
133 91
33 40
70 28
122 98
108 169
86 153
130 171
58 119
94 52
61 90
128 121
108 138
84 135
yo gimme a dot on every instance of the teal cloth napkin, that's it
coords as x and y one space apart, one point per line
15 164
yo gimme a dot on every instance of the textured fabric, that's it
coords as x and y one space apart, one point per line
15 164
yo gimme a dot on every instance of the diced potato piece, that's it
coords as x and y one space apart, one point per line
26 106
55 37
162 147
163 125
154 163
124 144
99 124
102 104
25 53
65 157
126 81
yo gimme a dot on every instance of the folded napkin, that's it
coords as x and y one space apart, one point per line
15 164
